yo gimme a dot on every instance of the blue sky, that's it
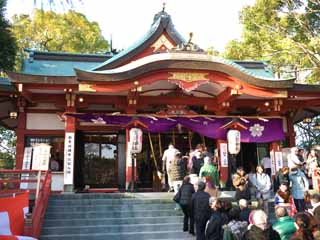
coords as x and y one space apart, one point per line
213 22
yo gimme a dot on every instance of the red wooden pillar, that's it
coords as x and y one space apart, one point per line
20 132
224 171
291 133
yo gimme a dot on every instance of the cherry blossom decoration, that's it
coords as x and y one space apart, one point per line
256 130
99 120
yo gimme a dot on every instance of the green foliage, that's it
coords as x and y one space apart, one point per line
7 148
307 136
284 33
8 46
50 31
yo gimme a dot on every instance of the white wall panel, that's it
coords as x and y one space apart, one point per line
44 121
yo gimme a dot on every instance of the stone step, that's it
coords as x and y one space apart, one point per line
112 196
120 207
93 202
115 228
108 221
177 234
91 196
106 214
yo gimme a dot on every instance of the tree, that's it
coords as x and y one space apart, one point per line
307 135
284 33
7 148
50 31
8 47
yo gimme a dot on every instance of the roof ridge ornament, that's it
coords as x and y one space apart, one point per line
161 14
188 46
163 6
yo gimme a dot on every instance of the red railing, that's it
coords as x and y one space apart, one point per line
38 183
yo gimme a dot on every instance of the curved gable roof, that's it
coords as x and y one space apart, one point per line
182 60
162 23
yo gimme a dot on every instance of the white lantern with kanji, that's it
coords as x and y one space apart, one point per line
234 141
135 142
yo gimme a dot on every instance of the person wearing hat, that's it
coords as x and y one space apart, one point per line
200 210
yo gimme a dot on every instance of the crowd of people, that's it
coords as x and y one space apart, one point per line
209 217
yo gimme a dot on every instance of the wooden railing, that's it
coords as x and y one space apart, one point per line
38 183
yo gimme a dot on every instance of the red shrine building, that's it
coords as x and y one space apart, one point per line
83 106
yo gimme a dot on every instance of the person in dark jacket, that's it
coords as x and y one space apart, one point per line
281 176
303 221
200 210
186 191
244 210
214 229
260 230
197 163
315 203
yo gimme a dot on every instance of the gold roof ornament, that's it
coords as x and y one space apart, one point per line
188 46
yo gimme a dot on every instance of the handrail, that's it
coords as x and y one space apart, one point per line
41 179
41 206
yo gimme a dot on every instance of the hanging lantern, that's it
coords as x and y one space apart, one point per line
233 137
135 143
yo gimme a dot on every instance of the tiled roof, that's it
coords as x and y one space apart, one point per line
5 85
55 67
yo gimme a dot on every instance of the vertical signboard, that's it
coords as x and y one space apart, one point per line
41 157
278 160
26 166
68 158
224 154
273 164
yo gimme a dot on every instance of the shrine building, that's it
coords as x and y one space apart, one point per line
83 106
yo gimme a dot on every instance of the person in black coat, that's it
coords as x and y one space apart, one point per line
186 190
200 210
281 176
244 210
197 163
214 229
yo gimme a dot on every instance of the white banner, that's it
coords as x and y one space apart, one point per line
279 160
273 164
68 157
224 154
41 157
26 166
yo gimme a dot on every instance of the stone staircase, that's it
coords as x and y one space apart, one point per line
113 216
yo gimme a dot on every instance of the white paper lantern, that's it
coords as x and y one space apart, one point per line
135 143
234 141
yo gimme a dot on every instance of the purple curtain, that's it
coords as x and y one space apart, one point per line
258 131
